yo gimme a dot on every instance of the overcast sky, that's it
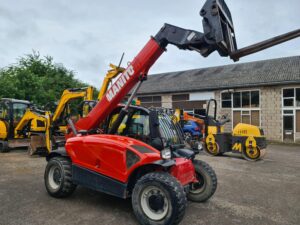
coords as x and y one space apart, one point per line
87 35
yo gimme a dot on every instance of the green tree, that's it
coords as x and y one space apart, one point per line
36 79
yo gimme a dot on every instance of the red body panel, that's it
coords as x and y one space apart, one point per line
130 77
184 171
106 154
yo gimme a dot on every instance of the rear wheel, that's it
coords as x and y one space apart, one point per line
158 199
4 147
207 185
58 177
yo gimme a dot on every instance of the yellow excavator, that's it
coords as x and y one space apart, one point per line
19 119
55 128
110 75
54 135
21 124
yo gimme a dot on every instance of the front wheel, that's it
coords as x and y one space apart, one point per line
58 177
158 199
253 154
207 185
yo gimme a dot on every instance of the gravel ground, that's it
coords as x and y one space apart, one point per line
264 192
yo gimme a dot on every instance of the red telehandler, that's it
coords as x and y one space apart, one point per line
159 180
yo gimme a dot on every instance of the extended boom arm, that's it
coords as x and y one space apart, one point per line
218 36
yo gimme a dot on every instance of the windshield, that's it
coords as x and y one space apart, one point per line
135 125
171 133
19 110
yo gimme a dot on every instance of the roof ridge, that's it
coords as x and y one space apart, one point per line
228 65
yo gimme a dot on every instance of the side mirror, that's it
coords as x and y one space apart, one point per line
157 143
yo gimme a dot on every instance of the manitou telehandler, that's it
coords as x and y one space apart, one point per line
157 179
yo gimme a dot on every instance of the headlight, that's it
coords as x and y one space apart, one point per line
165 154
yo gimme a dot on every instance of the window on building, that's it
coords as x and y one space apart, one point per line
246 116
246 107
237 100
298 97
150 101
254 99
226 100
291 97
181 97
298 121
288 97
246 99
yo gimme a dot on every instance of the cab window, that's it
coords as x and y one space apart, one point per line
135 125
4 111
19 110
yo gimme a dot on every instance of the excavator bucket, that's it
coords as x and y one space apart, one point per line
218 27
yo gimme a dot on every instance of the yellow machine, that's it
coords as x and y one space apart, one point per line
245 139
110 75
54 127
23 126
18 121
52 138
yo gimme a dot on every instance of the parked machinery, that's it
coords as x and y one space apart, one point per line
245 139
158 179
19 120
55 124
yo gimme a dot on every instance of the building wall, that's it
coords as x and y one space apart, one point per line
271 112
166 101
270 109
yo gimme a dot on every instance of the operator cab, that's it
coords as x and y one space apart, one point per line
153 126
11 112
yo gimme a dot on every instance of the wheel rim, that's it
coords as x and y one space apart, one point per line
199 186
212 148
154 203
55 177
252 153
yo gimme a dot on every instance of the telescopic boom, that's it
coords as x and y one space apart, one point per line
218 36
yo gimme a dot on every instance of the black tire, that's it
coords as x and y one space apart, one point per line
217 153
58 177
4 147
252 157
167 195
207 186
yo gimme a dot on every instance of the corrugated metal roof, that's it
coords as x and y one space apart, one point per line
261 73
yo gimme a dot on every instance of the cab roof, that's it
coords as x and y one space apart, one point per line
16 101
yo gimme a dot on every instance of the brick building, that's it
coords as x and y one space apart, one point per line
263 93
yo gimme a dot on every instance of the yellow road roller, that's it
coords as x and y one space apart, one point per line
245 139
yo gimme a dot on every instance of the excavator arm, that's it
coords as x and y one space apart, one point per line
218 36
71 94
111 74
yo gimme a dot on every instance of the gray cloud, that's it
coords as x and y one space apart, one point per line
88 35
